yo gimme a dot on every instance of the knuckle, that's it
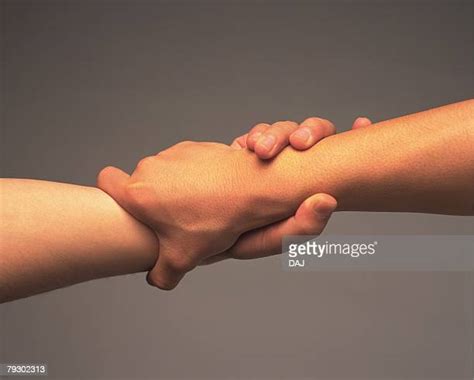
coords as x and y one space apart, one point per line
174 149
269 244
231 253
138 195
284 124
259 127
314 121
263 241
145 162
318 122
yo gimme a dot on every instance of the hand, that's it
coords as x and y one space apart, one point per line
313 214
198 198
268 140
196 214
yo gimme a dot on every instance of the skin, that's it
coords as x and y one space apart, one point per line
62 234
55 234
433 175
267 240
417 163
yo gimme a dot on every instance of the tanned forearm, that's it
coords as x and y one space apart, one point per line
54 235
417 163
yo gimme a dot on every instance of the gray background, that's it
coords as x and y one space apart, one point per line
86 84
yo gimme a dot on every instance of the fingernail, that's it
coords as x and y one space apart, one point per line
323 209
302 134
256 136
267 141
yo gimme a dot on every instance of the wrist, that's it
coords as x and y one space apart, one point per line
295 175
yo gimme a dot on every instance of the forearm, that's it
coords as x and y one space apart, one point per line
417 163
55 234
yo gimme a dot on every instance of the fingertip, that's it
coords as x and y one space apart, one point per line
254 135
311 131
111 176
170 268
159 283
361 122
104 174
158 278
266 147
313 214
323 205
317 122
302 138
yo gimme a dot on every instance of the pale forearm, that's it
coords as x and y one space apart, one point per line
55 234
418 163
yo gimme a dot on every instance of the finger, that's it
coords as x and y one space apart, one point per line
310 219
163 275
361 122
216 258
114 181
169 269
274 139
310 132
255 134
240 142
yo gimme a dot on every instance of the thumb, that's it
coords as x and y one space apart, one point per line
310 219
114 181
315 212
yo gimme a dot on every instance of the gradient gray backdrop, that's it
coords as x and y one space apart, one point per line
87 84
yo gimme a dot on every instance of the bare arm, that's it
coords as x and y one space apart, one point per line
418 163
422 162
54 235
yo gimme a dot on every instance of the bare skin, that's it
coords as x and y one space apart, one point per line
267 240
417 163
55 234
81 220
